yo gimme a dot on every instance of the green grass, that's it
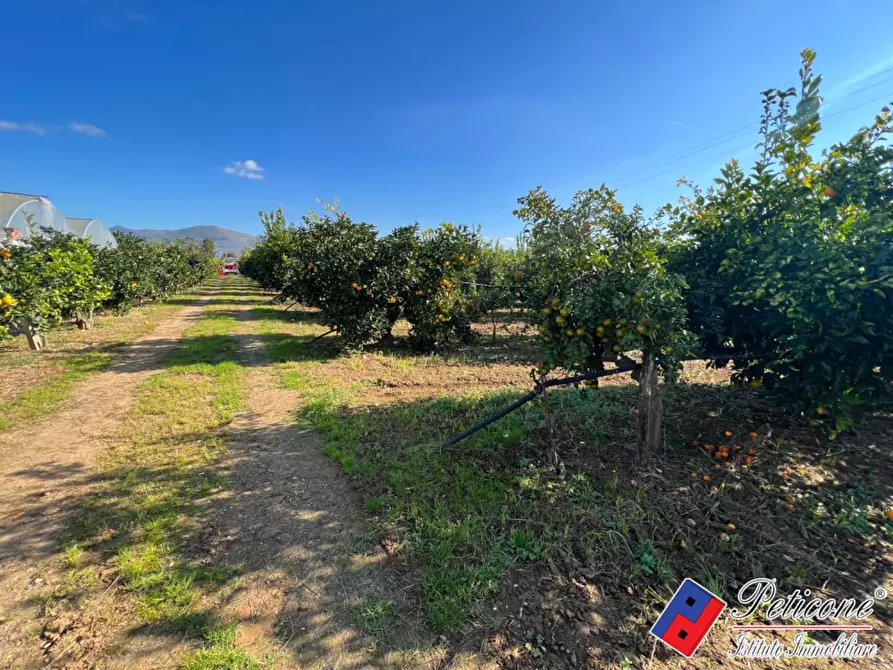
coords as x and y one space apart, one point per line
49 395
160 473
220 653
376 618
464 518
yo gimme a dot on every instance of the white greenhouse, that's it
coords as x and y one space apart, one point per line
23 215
95 229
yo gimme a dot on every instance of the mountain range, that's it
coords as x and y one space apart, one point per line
224 238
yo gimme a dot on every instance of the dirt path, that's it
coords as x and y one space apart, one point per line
316 591
46 468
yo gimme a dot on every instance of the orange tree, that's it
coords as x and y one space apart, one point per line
137 270
356 279
269 262
791 265
439 294
47 279
499 276
598 288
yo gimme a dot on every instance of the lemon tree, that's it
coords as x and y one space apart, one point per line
791 264
50 278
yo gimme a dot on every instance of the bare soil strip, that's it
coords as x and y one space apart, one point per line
314 590
47 467
311 578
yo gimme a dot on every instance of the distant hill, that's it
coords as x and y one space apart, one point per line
225 239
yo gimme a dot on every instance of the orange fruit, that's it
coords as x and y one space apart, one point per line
829 192
728 433
706 478
820 411
889 514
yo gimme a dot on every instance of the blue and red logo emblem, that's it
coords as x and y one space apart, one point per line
688 618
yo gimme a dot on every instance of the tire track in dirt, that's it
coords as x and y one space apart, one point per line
292 522
47 470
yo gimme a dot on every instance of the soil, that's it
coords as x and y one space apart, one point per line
574 613
287 521
47 469
299 535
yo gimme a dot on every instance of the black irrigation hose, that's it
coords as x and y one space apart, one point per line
537 390
323 335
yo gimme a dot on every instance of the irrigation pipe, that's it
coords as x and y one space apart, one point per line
539 388
319 337
523 400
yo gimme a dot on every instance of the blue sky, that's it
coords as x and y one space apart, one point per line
165 114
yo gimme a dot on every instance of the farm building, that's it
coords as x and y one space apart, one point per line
95 229
16 209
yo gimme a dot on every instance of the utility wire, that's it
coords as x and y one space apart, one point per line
731 135
726 152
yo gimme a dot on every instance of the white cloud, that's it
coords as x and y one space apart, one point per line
23 127
86 129
248 169
507 242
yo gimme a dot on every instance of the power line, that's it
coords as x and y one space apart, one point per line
727 137
726 152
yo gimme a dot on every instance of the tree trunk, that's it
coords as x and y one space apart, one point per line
651 411
84 320
36 341
552 452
